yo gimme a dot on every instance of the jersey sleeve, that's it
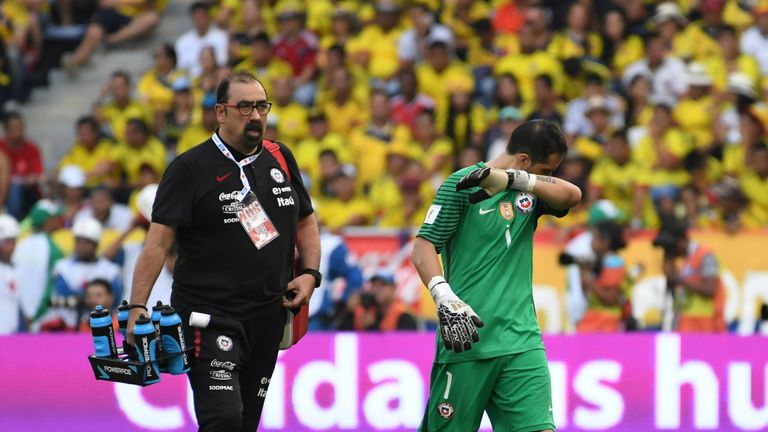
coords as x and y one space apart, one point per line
305 202
445 213
175 195
543 208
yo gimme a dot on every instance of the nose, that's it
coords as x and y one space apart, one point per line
255 114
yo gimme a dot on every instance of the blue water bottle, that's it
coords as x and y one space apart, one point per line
157 310
172 335
144 338
122 317
103 333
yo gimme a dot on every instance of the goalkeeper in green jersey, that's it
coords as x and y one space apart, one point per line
489 354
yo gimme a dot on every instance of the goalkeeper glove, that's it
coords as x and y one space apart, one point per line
458 322
494 180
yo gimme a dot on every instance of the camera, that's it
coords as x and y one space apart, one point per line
367 300
566 259
670 232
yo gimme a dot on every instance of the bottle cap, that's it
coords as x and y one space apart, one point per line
142 319
168 310
123 306
158 306
99 312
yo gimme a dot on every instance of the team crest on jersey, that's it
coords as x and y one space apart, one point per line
276 175
224 343
445 410
506 210
524 202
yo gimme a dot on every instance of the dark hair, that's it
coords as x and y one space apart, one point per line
613 232
727 29
439 45
379 91
760 146
243 77
518 99
11 115
328 152
594 78
101 189
124 74
695 160
538 139
88 120
338 49
546 78
621 133
261 37
199 5
429 113
170 52
139 123
482 25
103 282
650 36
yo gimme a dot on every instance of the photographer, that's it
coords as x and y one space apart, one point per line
605 282
697 291
378 308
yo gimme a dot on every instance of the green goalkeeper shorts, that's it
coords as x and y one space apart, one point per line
515 390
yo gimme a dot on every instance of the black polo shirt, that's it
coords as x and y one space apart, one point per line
219 270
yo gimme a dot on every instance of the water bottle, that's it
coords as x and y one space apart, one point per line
146 343
173 341
156 314
122 317
103 333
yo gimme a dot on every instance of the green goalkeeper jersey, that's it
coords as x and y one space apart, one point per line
487 255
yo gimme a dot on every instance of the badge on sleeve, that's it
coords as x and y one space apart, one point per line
256 223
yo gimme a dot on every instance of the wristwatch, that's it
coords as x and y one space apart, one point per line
314 273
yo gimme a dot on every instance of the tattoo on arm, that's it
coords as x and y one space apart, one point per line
546 179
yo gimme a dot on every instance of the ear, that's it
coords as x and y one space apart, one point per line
524 161
221 112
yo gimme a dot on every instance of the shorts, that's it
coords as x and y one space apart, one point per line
232 366
111 20
514 389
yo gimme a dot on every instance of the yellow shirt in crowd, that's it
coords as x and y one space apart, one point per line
756 190
193 135
645 155
370 152
526 67
292 125
336 214
695 117
116 117
88 160
130 159
382 50
616 182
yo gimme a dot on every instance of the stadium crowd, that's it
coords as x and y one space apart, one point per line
662 106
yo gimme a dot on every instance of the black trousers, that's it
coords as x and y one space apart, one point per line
232 366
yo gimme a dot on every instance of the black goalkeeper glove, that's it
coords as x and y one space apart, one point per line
458 322
494 180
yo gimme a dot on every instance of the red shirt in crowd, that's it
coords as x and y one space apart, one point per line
25 160
300 52
405 113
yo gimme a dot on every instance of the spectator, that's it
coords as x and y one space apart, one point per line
484 51
244 32
26 166
102 207
754 183
369 143
71 192
346 207
614 178
139 147
638 102
688 41
292 124
115 22
436 149
342 278
384 194
537 23
344 27
459 16
10 310
375 47
196 133
204 33
308 150
605 282
262 63
465 121
329 165
620 47
576 123
409 102
598 114
730 60
736 154
434 74
210 73
698 109
155 86
754 41
507 94
576 40
89 152
379 309
509 120
298 47
172 123
412 44
548 105
114 115
34 257
97 292
343 111
698 196
662 69
73 273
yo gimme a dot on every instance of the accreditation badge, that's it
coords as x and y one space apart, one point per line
256 223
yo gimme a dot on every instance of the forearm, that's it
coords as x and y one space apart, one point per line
425 259
308 241
558 193
151 260
706 286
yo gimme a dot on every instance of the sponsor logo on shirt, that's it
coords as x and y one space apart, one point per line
232 208
221 178
277 175
432 213
283 202
228 196
221 375
228 365
221 387
278 191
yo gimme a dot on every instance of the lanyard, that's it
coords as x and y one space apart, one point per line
223 149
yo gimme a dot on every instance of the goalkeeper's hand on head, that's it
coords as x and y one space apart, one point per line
458 322
494 180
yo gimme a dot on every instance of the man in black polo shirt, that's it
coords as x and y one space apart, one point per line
236 217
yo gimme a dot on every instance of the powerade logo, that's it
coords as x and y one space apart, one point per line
183 345
117 370
145 347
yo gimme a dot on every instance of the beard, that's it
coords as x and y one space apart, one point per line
253 141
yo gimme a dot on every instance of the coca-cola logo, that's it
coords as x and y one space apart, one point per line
228 365
224 196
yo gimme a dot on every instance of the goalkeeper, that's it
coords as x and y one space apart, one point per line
490 355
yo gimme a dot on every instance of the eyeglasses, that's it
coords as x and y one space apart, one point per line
246 108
